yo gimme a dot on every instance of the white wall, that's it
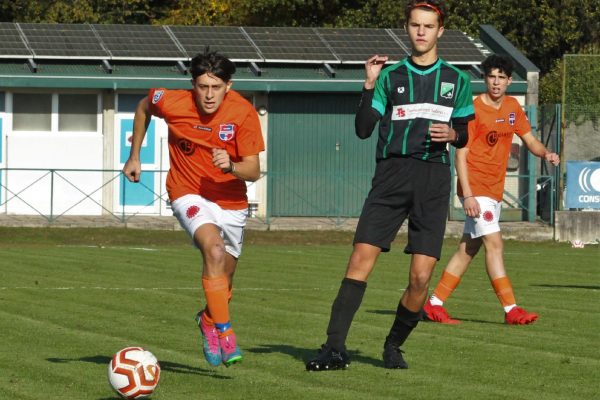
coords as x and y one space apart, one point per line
33 192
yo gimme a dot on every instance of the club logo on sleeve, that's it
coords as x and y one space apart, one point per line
226 132
512 117
447 90
158 94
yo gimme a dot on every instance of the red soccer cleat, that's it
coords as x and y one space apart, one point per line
518 316
438 314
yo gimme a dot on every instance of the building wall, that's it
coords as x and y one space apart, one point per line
314 165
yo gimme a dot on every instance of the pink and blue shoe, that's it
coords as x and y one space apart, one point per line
210 341
230 352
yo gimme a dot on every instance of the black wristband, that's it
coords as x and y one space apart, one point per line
231 169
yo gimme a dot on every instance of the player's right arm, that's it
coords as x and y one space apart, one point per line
133 167
366 116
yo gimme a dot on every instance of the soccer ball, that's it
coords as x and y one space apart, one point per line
133 373
577 244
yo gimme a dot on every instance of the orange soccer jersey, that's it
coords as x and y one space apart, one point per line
234 127
490 139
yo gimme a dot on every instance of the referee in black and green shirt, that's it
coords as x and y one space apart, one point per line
422 103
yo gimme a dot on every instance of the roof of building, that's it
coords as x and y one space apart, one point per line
134 57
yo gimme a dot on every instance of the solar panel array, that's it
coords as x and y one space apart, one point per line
224 39
11 42
62 40
256 44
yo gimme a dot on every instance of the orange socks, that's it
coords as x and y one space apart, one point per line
208 320
446 286
504 291
217 293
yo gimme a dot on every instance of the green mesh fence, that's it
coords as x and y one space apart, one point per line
581 108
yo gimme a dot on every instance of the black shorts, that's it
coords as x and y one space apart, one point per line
406 187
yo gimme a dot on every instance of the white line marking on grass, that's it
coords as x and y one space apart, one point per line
156 288
108 247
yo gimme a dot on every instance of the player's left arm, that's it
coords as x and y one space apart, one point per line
537 148
248 169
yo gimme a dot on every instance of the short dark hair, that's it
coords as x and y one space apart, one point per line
432 5
497 61
213 63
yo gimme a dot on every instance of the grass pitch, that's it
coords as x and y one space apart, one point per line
70 298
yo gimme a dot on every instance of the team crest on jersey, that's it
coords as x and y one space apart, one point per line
512 117
400 90
157 96
447 90
226 132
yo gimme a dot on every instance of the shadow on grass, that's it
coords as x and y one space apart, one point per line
382 312
589 287
164 366
304 355
478 321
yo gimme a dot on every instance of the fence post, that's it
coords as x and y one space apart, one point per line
531 169
51 195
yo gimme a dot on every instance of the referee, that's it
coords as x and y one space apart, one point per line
421 103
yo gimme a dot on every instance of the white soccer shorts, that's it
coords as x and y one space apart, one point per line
192 211
488 220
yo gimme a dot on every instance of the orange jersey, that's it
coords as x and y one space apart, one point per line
234 127
490 140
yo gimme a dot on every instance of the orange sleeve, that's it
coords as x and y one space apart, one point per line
522 125
250 140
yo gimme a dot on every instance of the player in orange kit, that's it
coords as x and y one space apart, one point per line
214 142
481 167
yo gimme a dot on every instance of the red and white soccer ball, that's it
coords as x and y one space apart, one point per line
134 373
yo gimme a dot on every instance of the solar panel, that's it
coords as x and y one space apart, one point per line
278 44
229 41
454 46
138 42
62 41
11 43
356 45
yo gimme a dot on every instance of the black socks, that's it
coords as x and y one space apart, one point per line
343 309
404 323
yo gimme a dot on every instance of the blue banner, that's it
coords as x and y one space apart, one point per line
147 150
138 193
142 193
583 184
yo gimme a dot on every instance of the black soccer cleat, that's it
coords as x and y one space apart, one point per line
329 359
392 357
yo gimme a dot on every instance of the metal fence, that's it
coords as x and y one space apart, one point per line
54 193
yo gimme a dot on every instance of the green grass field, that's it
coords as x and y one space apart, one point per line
70 298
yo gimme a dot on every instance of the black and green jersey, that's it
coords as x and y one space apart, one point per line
409 100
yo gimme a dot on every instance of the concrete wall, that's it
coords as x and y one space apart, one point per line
577 225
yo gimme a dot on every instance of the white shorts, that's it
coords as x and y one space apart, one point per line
192 211
488 220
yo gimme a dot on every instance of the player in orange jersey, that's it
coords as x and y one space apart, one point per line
214 142
480 187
